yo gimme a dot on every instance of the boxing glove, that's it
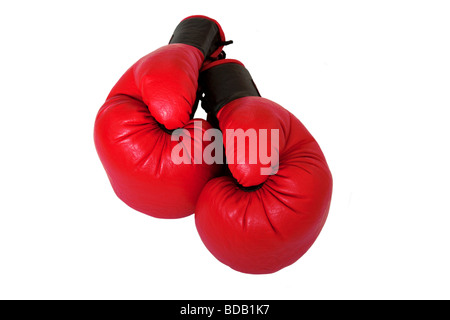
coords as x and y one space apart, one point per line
269 210
134 128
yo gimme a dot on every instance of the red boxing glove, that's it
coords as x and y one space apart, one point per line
133 128
266 214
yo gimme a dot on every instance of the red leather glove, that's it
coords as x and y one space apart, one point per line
254 222
133 128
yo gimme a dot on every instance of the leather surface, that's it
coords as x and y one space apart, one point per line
160 89
200 32
267 229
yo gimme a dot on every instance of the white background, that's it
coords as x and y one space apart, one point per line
369 79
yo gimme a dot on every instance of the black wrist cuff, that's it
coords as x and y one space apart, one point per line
204 34
224 83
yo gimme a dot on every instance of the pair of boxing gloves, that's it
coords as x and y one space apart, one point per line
254 215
